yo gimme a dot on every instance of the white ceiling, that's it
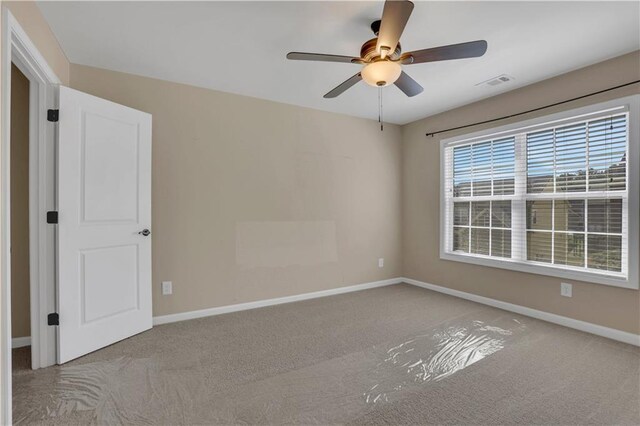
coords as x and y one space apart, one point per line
240 47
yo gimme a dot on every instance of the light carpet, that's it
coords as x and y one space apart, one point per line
391 355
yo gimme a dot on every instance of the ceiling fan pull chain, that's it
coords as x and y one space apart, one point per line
380 118
381 113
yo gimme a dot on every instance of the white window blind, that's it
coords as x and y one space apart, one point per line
482 174
553 195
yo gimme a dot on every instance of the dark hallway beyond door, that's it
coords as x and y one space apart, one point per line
20 302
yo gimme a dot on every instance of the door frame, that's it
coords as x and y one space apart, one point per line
18 48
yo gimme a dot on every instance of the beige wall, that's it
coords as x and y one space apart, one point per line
19 204
599 304
33 23
254 199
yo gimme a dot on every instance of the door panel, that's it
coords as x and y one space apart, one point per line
104 201
107 292
110 170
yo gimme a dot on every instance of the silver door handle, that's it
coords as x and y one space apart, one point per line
144 232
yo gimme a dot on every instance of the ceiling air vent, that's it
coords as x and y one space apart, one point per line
496 80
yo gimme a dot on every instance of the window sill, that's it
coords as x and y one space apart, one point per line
538 269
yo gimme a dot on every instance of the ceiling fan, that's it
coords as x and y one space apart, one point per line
382 56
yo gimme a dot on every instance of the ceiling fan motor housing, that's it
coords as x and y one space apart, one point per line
382 65
369 53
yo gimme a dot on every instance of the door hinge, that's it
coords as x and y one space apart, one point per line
53 319
52 115
52 217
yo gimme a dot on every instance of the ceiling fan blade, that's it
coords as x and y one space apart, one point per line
408 85
471 49
302 56
344 86
395 15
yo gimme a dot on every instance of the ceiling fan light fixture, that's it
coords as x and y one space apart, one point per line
381 73
382 56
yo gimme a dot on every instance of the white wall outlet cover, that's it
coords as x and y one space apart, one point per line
381 262
566 289
167 288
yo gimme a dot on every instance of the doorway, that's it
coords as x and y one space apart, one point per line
103 230
37 298
20 263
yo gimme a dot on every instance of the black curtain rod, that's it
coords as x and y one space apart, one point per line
531 110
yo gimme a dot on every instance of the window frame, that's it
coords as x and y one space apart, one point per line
628 104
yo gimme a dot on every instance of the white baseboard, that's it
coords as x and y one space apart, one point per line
20 342
611 333
165 319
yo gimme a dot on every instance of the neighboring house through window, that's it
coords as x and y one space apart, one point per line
556 195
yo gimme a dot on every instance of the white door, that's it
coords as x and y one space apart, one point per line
104 208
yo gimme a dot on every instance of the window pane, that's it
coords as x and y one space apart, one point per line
607 154
539 214
480 241
461 239
500 243
540 161
461 213
569 215
604 252
504 160
462 171
539 246
501 214
605 215
480 213
481 168
570 158
569 249
566 223
462 186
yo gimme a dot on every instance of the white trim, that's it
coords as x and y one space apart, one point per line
165 319
628 104
41 190
541 269
587 327
599 330
41 199
18 48
20 342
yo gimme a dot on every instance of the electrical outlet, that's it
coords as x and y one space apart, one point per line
566 290
381 262
167 288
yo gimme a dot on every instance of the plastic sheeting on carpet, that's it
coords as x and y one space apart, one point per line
397 355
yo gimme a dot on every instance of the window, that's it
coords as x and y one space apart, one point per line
550 196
